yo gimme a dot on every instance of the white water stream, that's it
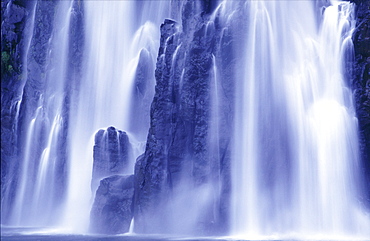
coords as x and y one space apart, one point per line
296 152
115 35
295 155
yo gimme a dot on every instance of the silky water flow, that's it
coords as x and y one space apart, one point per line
116 35
115 39
296 154
295 151
36 197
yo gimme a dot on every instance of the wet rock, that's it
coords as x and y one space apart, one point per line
178 155
361 85
14 17
112 209
112 154
150 170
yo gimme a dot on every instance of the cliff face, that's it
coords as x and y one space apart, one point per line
180 167
361 83
14 17
27 53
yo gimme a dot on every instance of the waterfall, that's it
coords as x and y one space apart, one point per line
71 104
115 37
238 116
296 150
38 185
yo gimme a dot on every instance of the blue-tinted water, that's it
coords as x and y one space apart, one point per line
90 237
39 234
36 234
31 233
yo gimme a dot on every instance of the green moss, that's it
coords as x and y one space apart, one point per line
6 66
5 57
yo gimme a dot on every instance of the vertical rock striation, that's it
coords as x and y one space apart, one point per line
361 41
112 209
112 154
180 171
27 56
14 37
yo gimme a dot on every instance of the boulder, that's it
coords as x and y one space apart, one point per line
112 209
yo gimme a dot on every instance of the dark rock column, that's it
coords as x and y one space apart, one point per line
151 168
181 168
361 40
112 210
112 154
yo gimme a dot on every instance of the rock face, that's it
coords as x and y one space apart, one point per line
14 16
112 154
27 27
180 169
112 209
361 40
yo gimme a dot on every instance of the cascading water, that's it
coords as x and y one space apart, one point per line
37 192
113 48
256 131
118 35
296 149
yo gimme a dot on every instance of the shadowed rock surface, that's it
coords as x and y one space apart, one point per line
112 154
361 85
179 158
14 16
112 209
